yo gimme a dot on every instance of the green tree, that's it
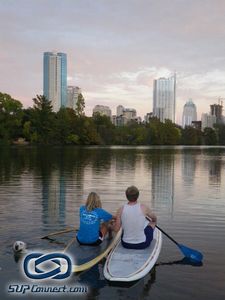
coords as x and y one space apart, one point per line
210 136
155 132
172 134
42 121
68 127
220 129
80 105
11 115
105 128
27 130
65 118
86 130
191 136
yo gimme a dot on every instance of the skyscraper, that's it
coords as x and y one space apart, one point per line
119 110
72 96
217 110
189 113
164 98
208 120
102 110
55 79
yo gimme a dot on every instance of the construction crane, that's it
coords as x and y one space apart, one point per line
220 101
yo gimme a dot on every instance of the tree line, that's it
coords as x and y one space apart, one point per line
40 125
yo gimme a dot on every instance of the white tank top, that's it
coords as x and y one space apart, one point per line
133 224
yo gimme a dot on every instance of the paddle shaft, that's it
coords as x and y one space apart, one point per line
187 252
58 232
169 237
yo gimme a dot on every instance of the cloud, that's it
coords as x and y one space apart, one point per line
116 48
135 89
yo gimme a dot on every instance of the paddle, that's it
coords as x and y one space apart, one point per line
188 252
58 232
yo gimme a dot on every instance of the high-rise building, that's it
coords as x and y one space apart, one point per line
217 110
129 113
63 78
214 117
55 79
102 110
208 120
72 96
119 110
125 115
189 113
164 98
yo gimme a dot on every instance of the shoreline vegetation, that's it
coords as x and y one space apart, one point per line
39 125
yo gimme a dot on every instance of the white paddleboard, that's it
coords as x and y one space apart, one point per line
130 264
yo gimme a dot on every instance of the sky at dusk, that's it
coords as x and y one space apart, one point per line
116 48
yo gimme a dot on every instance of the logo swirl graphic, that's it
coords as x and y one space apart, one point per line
32 266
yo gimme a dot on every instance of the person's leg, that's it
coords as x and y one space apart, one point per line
106 228
149 231
103 229
149 237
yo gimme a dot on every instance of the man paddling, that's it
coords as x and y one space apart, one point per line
137 230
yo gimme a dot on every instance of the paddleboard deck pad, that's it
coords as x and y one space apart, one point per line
128 264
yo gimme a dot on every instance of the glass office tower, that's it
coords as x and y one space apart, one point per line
55 79
164 98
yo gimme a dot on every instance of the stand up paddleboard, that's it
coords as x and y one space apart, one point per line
84 257
128 264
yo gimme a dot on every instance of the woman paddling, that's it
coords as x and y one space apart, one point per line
137 230
92 231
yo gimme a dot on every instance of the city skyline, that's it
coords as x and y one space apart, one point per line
115 50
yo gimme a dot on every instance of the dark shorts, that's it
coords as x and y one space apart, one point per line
149 237
98 242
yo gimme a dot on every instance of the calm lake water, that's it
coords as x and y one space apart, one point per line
41 190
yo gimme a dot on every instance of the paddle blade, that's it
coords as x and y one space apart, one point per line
191 253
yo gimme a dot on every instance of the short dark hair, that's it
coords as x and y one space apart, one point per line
132 193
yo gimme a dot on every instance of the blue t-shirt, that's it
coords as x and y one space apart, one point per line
90 224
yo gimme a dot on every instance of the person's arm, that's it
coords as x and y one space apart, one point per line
148 213
104 215
117 224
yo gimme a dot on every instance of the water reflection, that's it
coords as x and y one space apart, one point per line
126 160
185 261
100 159
161 168
189 168
12 162
215 171
42 187
95 281
214 164
67 175
53 199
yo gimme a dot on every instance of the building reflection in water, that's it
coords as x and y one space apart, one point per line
214 167
188 168
62 179
163 182
53 199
